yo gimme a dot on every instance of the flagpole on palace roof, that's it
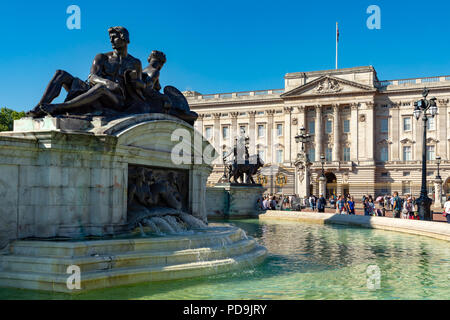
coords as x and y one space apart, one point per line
337 42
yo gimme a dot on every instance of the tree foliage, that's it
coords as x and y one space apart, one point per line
7 117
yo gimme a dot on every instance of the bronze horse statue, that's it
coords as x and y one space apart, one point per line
237 170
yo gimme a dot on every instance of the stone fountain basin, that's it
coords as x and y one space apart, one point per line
42 265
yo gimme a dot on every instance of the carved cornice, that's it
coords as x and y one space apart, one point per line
431 140
252 113
406 141
370 105
288 110
443 102
301 109
396 104
354 106
384 141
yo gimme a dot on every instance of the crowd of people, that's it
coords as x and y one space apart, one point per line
405 207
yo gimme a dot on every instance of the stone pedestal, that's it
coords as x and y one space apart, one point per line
438 194
63 177
302 177
231 200
322 186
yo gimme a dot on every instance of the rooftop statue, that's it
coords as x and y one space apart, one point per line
116 86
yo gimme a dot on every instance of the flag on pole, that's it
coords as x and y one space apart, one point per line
337 32
337 41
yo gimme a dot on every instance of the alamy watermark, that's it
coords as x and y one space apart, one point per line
374 20
74 20
373 273
74 280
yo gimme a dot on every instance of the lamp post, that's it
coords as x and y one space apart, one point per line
303 138
425 108
322 161
322 179
301 165
438 187
438 162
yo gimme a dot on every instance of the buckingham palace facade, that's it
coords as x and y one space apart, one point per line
364 127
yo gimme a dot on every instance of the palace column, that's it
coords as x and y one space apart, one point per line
336 133
216 137
395 132
234 127
287 135
270 144
318 134
198 125
370 134
252 132
441 127
354 132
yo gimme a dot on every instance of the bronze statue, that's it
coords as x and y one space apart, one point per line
242 165
116 86
114 77
148 190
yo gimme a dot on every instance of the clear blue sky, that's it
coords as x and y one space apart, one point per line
221 46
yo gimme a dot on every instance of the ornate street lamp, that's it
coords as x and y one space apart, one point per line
303 138
438 162
425 108
322 161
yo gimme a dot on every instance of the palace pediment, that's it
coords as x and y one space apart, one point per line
328 85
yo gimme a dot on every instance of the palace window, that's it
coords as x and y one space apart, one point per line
208 132
385 174
430 153
384 155
279 156
407 153
311 127
346 154
407 124
384 125
225 132
261 155
431 124
242 129
279 129
406 173
261 130
328 154
430 188
406 188
346 126
311 154
329 126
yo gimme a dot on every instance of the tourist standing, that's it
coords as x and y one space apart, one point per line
341 205
265 204
312 202
447 209
396 205
350 205
407 209
321 203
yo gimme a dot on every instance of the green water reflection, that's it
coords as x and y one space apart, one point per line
307 261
